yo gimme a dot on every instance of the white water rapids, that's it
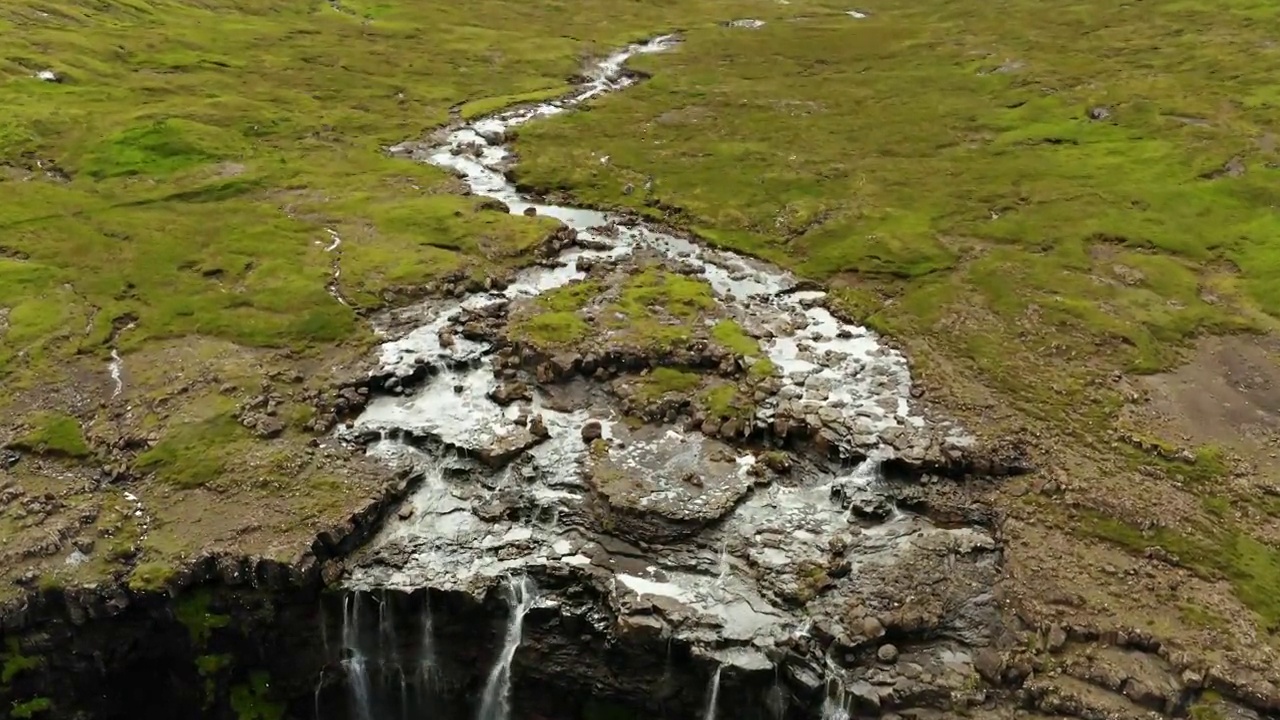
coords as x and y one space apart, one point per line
831 369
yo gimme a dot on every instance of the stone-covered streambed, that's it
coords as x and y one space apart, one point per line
642 478
682 478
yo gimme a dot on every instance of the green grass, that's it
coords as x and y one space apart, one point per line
15 663
194 454
1217 550
1024 240
658 308
252 700
210 145
192 610
54 433
31 708
731 335
664 380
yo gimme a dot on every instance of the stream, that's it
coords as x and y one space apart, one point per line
499 504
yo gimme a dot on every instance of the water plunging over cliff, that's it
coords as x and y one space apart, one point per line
389 673
495 703
742 543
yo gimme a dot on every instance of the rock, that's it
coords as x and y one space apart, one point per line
509 392
531 211
592 431
887 653
1099 112
1057 638
49 76
269 427
406 512
871 628
505 448
1142 694
989 664
538 428
492 136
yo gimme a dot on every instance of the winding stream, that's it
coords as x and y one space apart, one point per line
450 539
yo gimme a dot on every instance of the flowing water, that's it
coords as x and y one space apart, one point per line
388 675
495 704
838 370
713 695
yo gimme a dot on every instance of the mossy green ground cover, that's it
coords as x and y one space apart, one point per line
936 162
208 147
1030 198
175 198
944 154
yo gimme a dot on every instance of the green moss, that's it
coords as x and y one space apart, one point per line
151 576
31 708
55 434
192 610
1222 550
15 663
252 700
664 380
209 667
1207 707
569 298
725 401
552 328
731 335
673 293
194 454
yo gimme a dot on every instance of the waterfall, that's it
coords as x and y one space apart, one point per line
387 678
496 702
427 647
713 695
835 706
355 663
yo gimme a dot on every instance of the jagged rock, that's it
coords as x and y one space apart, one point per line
509 392
990 665
1057 638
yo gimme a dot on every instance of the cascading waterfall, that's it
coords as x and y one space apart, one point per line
713 695
835 706
373 656
355 663
496 702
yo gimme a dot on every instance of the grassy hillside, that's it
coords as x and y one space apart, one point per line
1050 207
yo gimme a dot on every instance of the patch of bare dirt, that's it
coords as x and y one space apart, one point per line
1228 393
